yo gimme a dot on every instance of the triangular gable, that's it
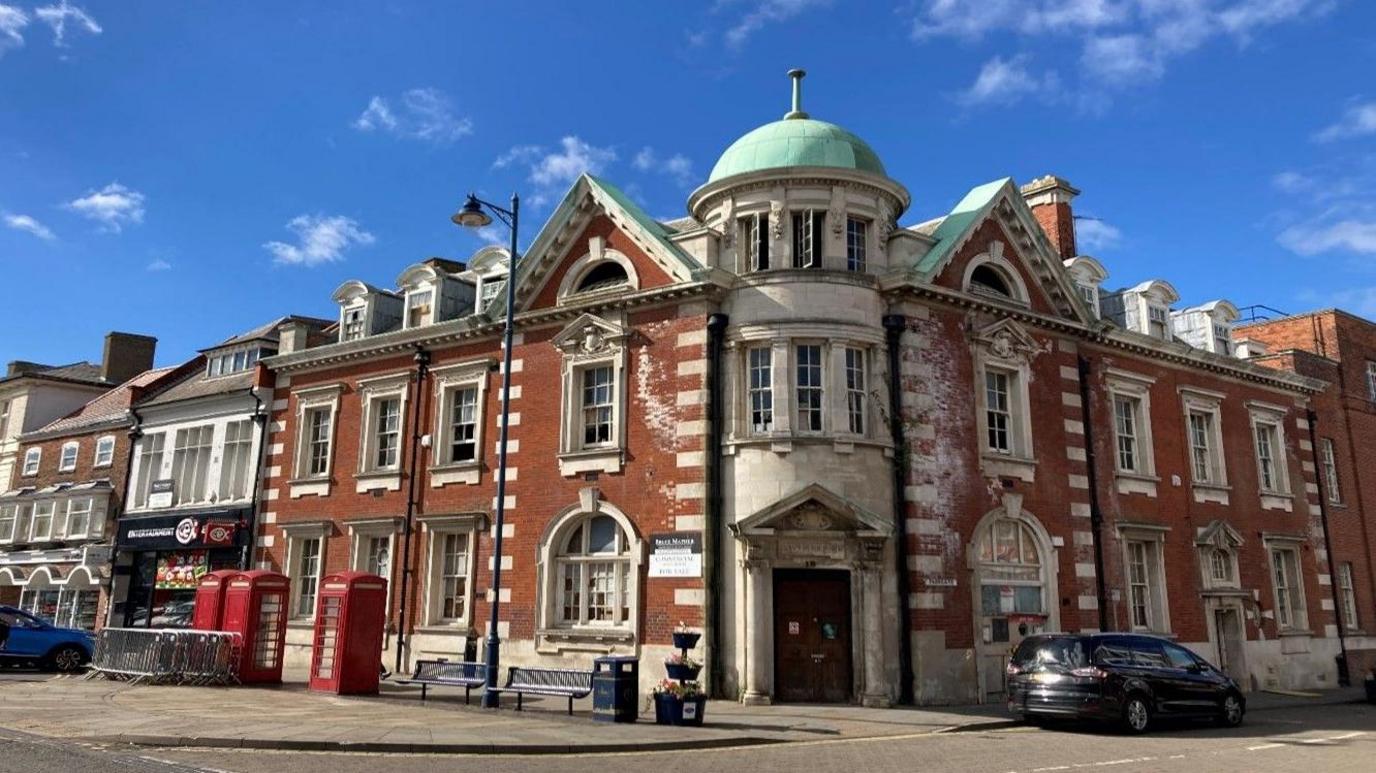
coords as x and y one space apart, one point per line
589 333
840 514
1001 202
588 198
1220 535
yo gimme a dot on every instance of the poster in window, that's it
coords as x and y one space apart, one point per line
181 571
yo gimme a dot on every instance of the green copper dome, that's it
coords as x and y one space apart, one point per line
796 141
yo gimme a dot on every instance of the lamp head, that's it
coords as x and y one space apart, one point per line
471 215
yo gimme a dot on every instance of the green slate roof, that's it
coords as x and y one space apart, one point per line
958 223
796 142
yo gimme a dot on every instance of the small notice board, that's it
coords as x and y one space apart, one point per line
676 555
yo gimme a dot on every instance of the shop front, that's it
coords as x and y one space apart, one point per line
161 557
61 586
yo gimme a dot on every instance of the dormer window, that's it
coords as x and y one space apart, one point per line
808 235
987 280
1223 340
235 361
1157 324
418 307
492 288
604 276
353 328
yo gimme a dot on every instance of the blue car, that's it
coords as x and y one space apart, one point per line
36 642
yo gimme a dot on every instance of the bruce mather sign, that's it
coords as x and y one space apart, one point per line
676 555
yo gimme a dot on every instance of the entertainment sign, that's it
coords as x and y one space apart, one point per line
676 555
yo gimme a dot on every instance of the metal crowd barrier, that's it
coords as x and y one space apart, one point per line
167 656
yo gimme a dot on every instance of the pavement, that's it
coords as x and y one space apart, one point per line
290 718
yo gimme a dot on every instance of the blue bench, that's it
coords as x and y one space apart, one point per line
446 673
565 683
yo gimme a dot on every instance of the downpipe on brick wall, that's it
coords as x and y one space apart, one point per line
716 332
1344 678
422 360
1096 514
894 325
250 528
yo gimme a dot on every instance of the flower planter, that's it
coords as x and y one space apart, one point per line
672 710
686 640
682 673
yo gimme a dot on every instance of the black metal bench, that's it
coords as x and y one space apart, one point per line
564 683
447 673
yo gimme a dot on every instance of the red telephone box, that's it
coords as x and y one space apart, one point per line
256 608
346 647
209 612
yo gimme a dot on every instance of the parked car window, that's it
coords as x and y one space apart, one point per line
1149 653
1180 657
1057 653
1113 652
18 619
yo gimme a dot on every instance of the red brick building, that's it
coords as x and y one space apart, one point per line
1340 349
901 449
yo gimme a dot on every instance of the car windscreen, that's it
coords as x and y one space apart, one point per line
1054 653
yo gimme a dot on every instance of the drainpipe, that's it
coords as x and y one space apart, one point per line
894 325
135 432
1096 513
1344 680
422 360
261 419
716 332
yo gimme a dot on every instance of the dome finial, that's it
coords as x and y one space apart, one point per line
797 112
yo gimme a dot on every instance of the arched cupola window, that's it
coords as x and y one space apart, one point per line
985 279
603 276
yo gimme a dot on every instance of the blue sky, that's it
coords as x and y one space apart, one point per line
190 170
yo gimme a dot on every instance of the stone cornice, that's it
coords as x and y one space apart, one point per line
1108 335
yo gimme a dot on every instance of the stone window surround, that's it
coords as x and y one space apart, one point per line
372 391
1299 626
1022 463
1159 609
553 637
308 399
1281 497
778 203
591 342
782 341
362 529
449 379
297 534
435 527
1203 401
1135 386
598 253
1219 536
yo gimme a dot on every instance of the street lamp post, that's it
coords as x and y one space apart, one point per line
472 215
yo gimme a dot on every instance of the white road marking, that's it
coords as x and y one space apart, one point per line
1264 746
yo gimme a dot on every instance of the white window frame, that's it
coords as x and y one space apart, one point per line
449 381
91 511
372 393
1019 424
298 535
754 237
66 460
308 400
351 328
1371 380
1289 608
1347 596
51 514
1272 418
105 447
1158 314
411 303
1152 543
818 387
1332 482
591 342
437 529
1222 340
9 522
857 243
204 451
596 384
1005 347
552 628
1214 487
759 392
856 366
5 406
148 470
33 461
361 534
807 243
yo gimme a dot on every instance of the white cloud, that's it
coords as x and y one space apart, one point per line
27 224
320 239
420 114
113 206
12 23
1004 81
1291 181
677 166
57 16
1093 234
561 167
1357 121
1331 235
754 15
517 155
1359 300
1122 42
158 265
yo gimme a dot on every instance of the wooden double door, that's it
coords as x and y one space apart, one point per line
812 635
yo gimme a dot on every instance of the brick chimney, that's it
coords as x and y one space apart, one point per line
126 355
1050 197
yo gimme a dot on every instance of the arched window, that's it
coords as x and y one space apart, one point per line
593 574
1010 569
603 276
988 280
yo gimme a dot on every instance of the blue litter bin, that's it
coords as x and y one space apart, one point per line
615 688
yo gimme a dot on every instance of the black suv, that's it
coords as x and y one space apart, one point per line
1128 678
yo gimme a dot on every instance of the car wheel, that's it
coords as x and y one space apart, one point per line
1136 714
1230 711
66 658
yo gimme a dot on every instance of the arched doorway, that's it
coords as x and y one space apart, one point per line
1013 567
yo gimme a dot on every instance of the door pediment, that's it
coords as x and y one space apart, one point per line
814 508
